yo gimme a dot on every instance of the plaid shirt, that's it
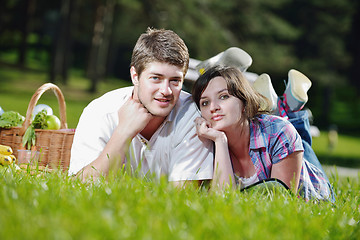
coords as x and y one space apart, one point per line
272 139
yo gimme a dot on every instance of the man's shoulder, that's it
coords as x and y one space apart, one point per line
115 94
112 100
186 107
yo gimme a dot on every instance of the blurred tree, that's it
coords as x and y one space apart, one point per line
27 11
354 46
104 14
61 52
321 47
259 28
129 23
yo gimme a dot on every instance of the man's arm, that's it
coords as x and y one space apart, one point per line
133 117
191 157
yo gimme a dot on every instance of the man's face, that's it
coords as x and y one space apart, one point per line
158 87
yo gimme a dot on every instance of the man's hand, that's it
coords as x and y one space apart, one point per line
133 117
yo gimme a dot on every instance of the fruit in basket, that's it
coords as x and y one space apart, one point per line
6 157
5 160
52 122
13 158
44 120
41 121
5 150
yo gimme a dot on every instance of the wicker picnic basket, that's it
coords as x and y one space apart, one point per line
53 145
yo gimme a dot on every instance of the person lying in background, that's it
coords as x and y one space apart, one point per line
250 144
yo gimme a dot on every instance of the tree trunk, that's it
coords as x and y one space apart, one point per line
355 51
62 44
100 43
28 12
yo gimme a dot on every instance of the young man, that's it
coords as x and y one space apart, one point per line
149 125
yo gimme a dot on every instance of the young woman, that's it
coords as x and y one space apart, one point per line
250 145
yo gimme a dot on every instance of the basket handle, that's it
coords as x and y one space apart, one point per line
35 98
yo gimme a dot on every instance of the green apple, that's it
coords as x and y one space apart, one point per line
52 122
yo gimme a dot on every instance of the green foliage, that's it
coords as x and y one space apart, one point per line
38 205
39 122
11 119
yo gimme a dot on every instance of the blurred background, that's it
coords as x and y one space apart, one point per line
91 41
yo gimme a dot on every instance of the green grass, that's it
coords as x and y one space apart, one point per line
55 206
345 153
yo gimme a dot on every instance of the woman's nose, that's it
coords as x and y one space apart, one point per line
214 106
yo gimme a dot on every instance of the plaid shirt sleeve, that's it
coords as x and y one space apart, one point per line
284 142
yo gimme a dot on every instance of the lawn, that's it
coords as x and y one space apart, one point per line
42 205
345 153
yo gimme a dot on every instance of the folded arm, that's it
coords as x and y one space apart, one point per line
133 118
223 172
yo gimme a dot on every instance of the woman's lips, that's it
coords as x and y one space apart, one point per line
217 117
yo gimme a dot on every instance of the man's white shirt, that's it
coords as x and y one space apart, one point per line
174 149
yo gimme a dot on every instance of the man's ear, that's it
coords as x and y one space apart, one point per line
134 76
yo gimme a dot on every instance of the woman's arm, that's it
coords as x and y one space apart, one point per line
288 170
223 172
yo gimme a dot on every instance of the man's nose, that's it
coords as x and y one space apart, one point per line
165 88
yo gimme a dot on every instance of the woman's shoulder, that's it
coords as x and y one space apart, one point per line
272 126
266 121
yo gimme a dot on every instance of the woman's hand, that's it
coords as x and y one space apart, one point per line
204 129
223 173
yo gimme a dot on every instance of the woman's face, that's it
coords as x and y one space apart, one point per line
222 110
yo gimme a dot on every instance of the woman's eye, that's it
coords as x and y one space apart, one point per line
204 103
224 96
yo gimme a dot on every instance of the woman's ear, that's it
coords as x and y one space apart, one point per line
134 76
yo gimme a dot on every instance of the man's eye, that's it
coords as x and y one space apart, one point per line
175 81
155 78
